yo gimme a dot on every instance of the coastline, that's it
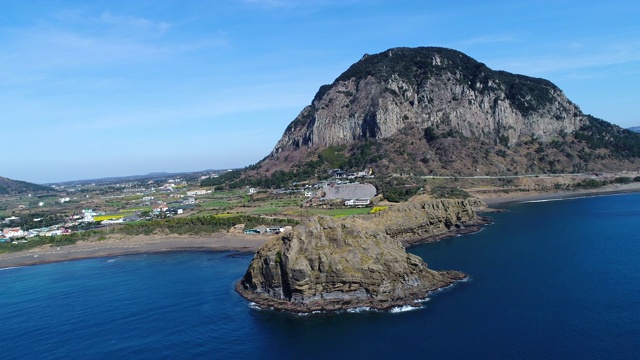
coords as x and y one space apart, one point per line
223 241
121 246
496 199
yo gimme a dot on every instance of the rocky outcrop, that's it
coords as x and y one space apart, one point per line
424 219
431 87
334 264
437 111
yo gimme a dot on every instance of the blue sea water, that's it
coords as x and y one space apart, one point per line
552 280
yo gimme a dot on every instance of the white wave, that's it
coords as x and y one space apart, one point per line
544 200
568 198
111 260
423 300
405 308
360 309
12 267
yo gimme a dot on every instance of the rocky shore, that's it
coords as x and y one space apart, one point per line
328 264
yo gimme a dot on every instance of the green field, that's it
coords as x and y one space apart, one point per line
108 217
342 212
265 210
215 204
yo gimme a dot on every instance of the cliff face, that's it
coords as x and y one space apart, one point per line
424 218
332 264
431 87
436 111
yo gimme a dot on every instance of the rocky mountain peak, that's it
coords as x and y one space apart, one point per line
426 87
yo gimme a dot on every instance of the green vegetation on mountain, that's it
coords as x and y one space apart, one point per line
599 134
432 111
527 94
199 224
9 186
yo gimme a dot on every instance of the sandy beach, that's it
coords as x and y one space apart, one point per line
119 246
498 198
223 241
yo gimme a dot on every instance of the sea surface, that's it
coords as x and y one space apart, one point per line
549 280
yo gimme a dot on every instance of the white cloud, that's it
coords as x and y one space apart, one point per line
133 22
486 39
575 58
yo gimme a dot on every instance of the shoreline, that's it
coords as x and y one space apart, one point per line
133 246
223 241
495 199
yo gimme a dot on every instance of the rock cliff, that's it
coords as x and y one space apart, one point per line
424 219
431 87
334 264
436 111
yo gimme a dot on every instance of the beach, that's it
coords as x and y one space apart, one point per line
120 245
499 197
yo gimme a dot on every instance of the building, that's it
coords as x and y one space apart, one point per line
160 208
13 232
357 202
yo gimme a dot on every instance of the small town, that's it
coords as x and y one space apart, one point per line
82 206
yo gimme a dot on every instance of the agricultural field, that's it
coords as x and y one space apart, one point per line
109 217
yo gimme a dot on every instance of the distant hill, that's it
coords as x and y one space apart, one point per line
635 129
437 111
9 186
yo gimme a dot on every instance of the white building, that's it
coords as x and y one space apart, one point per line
357 202
13 232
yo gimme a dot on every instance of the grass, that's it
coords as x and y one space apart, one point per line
219 203
266 210
227 215
377 209
108 217
343 212
132 210
286 203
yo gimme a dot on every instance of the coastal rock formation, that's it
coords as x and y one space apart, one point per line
424 219
333 264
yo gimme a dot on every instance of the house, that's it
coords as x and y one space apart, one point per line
197 192
160 208
275 229
252 191
13 232
257 230
112 221
357 202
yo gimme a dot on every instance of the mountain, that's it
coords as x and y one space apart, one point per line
8 186
437 111
635 129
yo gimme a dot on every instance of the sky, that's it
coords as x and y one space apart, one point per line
92 89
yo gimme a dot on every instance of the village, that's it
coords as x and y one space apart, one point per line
82 206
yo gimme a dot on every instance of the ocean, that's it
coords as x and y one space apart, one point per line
548 280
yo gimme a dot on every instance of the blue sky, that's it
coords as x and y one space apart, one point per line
92 89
